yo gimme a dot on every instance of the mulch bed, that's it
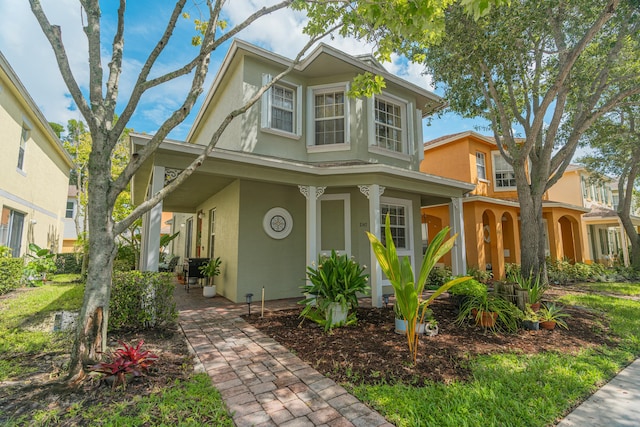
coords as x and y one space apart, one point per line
371 351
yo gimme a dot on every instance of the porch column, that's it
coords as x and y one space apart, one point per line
311 193
459 251
624 243
151 225
373 193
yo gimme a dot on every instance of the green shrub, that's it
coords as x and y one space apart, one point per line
10 273
68 263
141 300
482 276
438 277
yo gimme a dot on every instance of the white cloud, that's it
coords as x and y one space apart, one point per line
30 55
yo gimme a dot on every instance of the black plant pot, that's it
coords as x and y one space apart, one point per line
530 325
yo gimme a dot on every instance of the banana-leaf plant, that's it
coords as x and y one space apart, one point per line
408 290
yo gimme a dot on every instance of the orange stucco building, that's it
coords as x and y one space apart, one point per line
491 212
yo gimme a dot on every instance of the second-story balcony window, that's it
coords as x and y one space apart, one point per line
504 177
329 117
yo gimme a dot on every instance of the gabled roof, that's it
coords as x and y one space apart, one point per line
315 64
447 139
21 93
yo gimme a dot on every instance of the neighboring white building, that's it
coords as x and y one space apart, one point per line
34 171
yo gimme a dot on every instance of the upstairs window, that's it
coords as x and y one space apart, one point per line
389 125
24 136
282 108
329 117
481 165
504 177
281 113
69 211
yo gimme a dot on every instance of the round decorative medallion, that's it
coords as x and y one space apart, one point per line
277 223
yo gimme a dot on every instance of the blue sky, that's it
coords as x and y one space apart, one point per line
28 52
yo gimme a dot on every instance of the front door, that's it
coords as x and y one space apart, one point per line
334 220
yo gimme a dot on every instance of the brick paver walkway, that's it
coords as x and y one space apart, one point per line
262 383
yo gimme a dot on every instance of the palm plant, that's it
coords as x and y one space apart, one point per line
553 313
408 290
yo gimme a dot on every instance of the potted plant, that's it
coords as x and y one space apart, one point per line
408 290
333 290
427 326
490 310
211 269
530 320
551 315
534 287
461 292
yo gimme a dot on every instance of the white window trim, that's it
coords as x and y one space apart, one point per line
311 134
407 125
484 165
265 110
410 251
495 181
26 125
346 197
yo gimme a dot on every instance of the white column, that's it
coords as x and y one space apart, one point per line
311 193
625 244
373 193
459 251
150 251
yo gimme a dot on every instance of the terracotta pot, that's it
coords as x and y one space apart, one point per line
548 324
487 319
535 306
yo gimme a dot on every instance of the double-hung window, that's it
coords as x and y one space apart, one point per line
504 177
24 136
329 117
398 224
481 165
69 211
281 112
389 124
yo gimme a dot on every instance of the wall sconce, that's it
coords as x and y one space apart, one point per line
200 215
385 299
33 221
248 297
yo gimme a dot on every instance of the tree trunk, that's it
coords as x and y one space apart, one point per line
91 331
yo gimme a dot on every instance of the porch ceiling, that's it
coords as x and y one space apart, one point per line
223 167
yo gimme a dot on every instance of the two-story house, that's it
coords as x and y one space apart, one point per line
604 237
306 170
491 210
34 171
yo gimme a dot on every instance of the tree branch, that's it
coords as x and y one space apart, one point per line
54 36
199 160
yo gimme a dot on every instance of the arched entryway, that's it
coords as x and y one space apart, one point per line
571 249
510 248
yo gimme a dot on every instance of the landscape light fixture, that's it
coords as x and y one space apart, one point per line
248 297
385 298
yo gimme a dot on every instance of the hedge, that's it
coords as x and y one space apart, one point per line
69 263
141 300
10 274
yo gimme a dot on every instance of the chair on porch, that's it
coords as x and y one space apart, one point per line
170 266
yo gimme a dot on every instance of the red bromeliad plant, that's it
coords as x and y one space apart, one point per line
126 361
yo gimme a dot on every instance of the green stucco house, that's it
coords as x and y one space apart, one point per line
306 170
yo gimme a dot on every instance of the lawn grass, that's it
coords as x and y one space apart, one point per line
192 403
630 289
67 278
21 320
516 390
